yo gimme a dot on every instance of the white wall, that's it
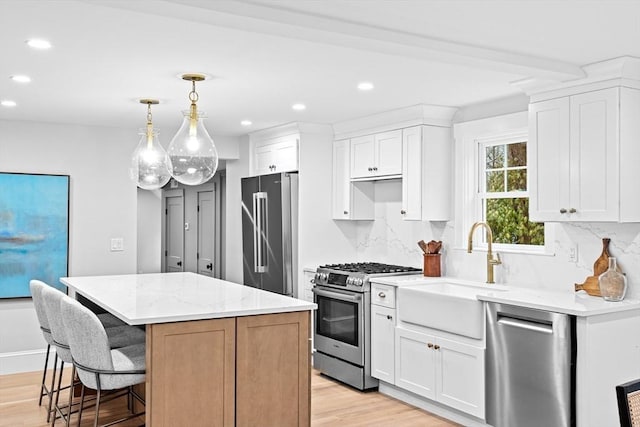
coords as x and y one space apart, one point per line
149 226
236 169
321 240
102 206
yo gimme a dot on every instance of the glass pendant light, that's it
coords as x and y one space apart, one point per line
149 163
193 158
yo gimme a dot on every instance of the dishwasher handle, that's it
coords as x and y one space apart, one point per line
531 325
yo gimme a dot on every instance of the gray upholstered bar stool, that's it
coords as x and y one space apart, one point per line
100 367
118 336
35 287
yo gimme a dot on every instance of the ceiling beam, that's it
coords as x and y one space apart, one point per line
275 19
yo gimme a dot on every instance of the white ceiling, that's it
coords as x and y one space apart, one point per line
265 55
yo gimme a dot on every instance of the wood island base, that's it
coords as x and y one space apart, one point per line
244 371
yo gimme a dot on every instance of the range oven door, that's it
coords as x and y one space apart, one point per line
340 324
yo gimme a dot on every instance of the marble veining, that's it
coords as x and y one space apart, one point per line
391 239
171 297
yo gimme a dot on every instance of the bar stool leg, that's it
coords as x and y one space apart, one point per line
57 392
44 376
53 382
81 404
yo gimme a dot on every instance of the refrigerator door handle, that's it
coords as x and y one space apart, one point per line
260 215
256 234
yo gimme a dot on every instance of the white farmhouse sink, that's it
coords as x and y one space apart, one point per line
446 306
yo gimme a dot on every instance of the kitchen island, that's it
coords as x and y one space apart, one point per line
218 353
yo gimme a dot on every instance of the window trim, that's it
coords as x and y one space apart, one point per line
468 208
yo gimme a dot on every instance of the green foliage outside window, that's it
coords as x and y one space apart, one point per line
505 176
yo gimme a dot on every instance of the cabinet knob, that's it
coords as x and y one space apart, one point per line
436 347
389 317
403 212
375 168
429 345
382 295
370 169
572 210
345 212
563 210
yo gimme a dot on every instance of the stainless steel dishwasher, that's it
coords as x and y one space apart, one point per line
530 367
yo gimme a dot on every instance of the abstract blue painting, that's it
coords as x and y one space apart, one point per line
34 231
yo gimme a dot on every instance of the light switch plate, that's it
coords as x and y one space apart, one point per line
573 253
117 244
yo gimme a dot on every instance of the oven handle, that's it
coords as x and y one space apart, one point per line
336 295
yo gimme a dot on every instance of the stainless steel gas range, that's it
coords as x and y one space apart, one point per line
342 332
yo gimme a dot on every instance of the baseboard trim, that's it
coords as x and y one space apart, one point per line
24 361
430 406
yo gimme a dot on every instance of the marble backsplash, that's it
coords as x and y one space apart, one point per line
392 240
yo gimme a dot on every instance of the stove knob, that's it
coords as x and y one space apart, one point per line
324 277
349 280
359 282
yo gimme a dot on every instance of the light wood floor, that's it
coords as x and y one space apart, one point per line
332 404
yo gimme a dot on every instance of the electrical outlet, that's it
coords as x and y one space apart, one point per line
117 244
573 253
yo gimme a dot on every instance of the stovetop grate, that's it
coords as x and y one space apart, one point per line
370 268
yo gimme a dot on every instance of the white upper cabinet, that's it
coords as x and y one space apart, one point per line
275 155
412 173
378 155
579 151
426 173
350 200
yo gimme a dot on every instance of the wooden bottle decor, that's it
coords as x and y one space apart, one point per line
591 285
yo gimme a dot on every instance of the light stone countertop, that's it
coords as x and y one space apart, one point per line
140 299
575 303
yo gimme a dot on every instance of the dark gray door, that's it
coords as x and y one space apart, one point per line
250 187
273 278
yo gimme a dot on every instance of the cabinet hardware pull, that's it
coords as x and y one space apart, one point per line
436 347
563 210
429 345
382 295
403 212
370 169
375 168
389 317
572 210
345 212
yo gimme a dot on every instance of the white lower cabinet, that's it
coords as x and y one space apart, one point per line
441 369
416 363
383 324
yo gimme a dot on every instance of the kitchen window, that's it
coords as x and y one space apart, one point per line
502 194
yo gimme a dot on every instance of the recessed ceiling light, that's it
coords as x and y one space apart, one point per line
365 86
8 103
299 107
39 44
246 123
21 79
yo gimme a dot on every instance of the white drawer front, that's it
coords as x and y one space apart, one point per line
384 295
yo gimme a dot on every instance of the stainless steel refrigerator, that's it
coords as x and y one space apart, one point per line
270 232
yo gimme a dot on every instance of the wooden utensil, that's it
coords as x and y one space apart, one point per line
434 247
423 246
